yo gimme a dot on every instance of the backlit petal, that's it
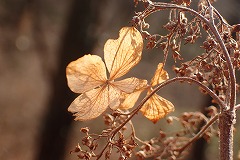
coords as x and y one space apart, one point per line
86 73
114 97
156 107
160 75
129 100
124 53
90 104
129 85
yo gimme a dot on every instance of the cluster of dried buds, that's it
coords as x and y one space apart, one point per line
170 145
233 44
117 141
124 144
210 67
207 73
162 147
90 144
193 34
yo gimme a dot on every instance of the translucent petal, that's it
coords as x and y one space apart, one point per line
114 97
156 107
160 75
90 104
129 85
129 100
86 73
124 53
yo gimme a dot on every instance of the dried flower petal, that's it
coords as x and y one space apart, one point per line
129 100
160 75
91 104
156 107
86 73
129 85
124 53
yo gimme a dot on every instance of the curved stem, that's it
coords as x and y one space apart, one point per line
237 107
227 57
199 134
156 6
101 153
173 80
160 86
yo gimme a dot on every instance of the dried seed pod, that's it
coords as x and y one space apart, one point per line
205 26
124 148
236 54
136 20
169 120
163 45
176 56
145 25
190 39
141 154
145 34
77 149
84 130
179 2
86 140
176 69
236 28
170 25
151 44
88 155
148 147
199 76
162 134
186 116
212 110
81 155
128 154
187 2
107 154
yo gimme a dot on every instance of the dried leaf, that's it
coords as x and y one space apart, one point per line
156 108
129 100
160 75
124 53
113 97
132 88
91 104
129 85
86 73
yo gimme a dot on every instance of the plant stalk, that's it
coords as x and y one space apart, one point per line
227 115
226 122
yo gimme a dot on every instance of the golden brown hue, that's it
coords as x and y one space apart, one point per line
157 107
160 75
88 76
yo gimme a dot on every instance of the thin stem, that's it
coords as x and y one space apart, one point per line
237 107
101 153
227 57
157 6
227 117
199 134
173 80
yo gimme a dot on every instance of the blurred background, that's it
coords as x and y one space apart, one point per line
38 38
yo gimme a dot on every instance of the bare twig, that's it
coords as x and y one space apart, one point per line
199 134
